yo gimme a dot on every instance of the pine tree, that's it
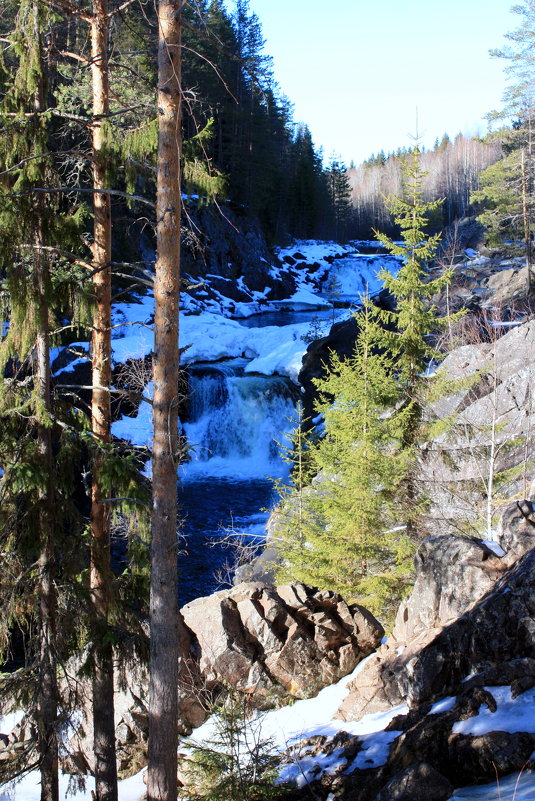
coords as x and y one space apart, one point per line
163 702
519 104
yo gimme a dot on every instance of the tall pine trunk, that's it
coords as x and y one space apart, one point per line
163 702
47 700
100 574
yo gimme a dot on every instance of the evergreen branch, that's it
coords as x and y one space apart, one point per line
74 56
93 191
123 110
71 8
135 322
69 256
45 156
138 280
86 121
111 390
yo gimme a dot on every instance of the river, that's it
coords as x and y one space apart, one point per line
234 423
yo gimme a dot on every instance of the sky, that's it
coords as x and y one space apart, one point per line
361 72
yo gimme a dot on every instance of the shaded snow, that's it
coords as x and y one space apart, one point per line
288 725
494 547
518 787
512 715
443 706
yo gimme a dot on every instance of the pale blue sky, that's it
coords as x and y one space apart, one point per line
356 71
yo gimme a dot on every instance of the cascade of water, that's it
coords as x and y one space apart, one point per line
235 420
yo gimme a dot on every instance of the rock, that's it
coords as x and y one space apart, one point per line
463 234
478 759
497 629
507 287
272 643
417 782
501 375
517 529
288 641
452 573
455 620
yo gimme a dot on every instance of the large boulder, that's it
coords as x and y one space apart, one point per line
417 782
452 572
274 644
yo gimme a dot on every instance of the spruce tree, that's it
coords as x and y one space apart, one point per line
296 519
407 331
339 190
341 540
34 488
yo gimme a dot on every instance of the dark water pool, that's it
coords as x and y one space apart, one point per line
211 507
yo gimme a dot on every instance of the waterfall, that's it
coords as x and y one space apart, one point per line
235 420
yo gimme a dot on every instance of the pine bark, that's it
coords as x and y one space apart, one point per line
163 702
100 573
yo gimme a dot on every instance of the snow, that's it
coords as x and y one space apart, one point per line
9 721
517 787
208 334
29 789
512 714
494 547
138 429
288 725
443 706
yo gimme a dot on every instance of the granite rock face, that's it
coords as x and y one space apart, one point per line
492 414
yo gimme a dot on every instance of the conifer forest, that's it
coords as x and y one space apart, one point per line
266 427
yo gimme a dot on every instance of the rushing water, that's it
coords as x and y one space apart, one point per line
234 423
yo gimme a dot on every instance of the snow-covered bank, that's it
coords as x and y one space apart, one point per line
316 716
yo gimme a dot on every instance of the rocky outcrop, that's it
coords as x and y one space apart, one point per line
228 247
467 627
279 642
451 573
492 414
458 617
